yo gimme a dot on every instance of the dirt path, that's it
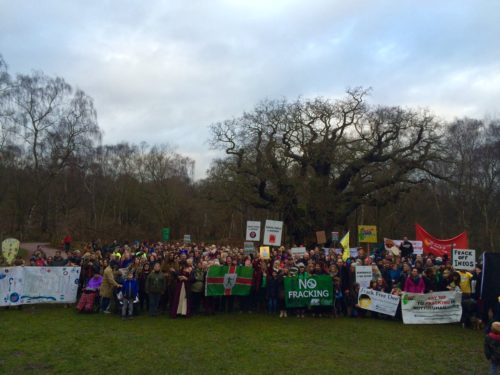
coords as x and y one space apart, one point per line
47 249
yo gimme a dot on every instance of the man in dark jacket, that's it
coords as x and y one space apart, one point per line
155 287
406 248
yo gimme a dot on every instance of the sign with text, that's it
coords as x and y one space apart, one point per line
418 246
303 291
321 237
379 302
253 231
431 308
248 248
272 233
367 233
265 252
10 249
299 251
364 276
335 236
187 238
464 259
165 234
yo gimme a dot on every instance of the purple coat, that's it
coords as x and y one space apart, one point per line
414 287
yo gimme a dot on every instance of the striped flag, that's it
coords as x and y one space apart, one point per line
229 281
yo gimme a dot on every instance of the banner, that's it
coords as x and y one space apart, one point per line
379 302
367 233
301 291
272 233
10 249
248 248
431 308
417 245
29 285
439 247
463 259
364 275
253 231
229 281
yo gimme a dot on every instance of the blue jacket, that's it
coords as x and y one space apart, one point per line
130 289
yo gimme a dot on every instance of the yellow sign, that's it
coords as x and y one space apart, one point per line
10 248
265 252
367 233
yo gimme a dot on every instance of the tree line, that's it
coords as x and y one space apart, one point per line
317 164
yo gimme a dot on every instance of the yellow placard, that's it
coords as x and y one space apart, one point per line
265 252
10 248
367 233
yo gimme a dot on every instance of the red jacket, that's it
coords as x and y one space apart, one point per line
412 287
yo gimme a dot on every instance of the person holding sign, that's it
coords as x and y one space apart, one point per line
414 283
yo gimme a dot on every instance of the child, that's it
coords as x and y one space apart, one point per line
130 291
492 347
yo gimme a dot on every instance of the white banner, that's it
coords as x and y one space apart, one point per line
253 231
364 276
418 246
272 233
29 285
431 308
464 259
379 302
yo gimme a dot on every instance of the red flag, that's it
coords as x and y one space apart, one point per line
439 247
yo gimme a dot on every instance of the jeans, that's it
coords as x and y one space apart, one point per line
154 302
127 304
493 368
272 305
105 303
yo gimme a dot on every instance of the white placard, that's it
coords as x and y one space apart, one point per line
29 285
253 231
364 275
464 259
431 308
298 250
418 246
272 233
376 301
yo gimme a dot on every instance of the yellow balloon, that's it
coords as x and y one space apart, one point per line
10 248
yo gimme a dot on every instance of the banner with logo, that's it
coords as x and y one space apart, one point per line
379 302
439 247
367 233
272 233
463 259
30 285
301 291
228 281
417 245
253 231
431 308
364 275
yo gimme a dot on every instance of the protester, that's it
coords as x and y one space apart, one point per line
155 288
106 291
130 292
492 347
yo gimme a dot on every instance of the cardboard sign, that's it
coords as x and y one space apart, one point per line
253 231
464 259
335 236
376 301
367 233
321 237
248 248
299 251
272 233
265 252
364 276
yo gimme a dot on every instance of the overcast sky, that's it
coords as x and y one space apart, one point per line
163 71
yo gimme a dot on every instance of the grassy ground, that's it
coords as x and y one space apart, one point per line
54 340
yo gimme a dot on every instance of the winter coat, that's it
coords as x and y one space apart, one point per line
492 347
108 283
156 283
130 289
414 287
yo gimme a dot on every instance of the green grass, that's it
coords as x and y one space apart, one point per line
54 340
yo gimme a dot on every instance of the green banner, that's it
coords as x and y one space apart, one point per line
304 290
229 281
165 234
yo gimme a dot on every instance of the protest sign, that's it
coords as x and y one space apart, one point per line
418 246
248 248
10 249
431 308
464 259
364 276
367 233
272 233
253 231
187 238
353 252
299 251
165 234
265 252
321 237
335 236
379 302
301 291
29 285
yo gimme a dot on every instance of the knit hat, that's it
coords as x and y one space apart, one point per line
495 327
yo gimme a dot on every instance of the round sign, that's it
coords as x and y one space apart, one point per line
311 283
253 234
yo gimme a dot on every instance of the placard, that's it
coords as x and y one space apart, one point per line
364 276
272 233
431 308
265 252
321 237
367 233
379 302
187 238
464 259
335 236
299 251
253 231
10 249
165 234
248 248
